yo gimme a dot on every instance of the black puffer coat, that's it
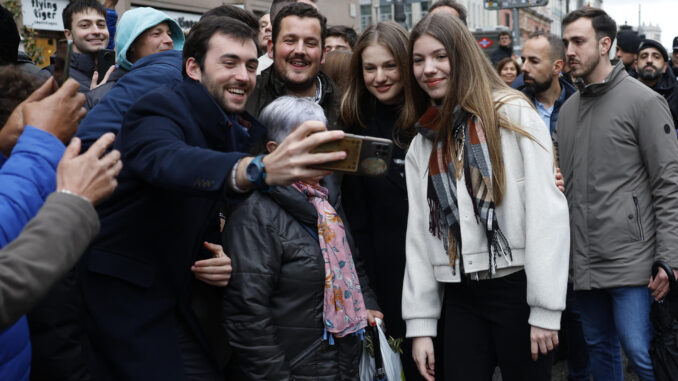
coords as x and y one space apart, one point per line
273 307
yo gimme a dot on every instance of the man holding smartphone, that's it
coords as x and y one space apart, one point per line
182 150
85 25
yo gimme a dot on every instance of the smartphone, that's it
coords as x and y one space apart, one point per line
105 59
366 155
62 61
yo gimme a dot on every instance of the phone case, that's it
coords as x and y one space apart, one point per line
366 155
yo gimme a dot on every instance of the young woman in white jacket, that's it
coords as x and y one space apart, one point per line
488 231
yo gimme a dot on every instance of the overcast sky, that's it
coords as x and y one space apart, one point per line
662 12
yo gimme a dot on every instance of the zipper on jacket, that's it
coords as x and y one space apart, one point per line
306 352
640 225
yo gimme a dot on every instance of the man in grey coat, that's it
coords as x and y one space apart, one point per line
619 157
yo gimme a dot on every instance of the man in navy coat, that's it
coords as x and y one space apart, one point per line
182 149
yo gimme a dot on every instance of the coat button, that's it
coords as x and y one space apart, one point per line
667 128
630 216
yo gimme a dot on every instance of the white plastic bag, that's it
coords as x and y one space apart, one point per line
392 365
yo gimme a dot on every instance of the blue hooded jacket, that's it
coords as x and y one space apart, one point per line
27 178
146 75
135 22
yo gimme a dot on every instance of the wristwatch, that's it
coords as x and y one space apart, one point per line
256 173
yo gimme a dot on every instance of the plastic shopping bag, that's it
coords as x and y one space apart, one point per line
387 366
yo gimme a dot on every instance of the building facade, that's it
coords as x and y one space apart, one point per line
44 16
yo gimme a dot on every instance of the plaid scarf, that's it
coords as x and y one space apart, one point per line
469 137
344 309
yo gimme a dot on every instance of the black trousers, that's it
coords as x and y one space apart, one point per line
486 326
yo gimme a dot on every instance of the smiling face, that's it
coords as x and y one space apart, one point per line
297 53
229 71
509 73
381 74
431 66
154 40
88 31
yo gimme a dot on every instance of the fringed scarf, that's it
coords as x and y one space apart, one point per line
344 309
472 151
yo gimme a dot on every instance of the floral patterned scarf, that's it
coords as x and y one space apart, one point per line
344 309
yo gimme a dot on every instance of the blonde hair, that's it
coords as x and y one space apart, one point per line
473 84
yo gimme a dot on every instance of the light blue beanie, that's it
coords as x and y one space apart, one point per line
135 22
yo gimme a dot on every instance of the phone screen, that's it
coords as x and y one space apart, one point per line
62 61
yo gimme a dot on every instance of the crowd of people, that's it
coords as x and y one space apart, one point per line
169 220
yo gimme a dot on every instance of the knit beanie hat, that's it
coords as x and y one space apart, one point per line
647 43
9 40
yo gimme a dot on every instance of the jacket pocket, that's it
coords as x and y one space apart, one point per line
121 267
639 223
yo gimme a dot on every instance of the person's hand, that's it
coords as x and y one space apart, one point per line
92 174
291 160
14 126
214 271
660 284
560 182
371 315
542 340
422 351
59 113
95 78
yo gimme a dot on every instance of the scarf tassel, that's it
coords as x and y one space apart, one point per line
497 244
329 337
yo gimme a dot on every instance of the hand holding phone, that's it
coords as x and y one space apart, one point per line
62 61
365 155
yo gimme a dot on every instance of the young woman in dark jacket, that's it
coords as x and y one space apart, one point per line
298 300
377 206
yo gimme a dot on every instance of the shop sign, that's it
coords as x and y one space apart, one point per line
43 14
185 19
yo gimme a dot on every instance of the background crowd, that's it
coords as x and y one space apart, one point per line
167 218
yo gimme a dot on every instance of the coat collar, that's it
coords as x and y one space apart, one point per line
615 77
296 204
213 120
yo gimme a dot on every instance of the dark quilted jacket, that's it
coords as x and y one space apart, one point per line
273 307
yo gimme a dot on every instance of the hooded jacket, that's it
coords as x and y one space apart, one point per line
270 86
273 306
135 22
619 158
147 74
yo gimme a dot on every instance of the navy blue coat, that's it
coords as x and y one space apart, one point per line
178 147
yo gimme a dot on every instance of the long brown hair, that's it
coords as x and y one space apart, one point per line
357 102
473 84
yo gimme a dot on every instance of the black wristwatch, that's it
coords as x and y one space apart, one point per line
256 173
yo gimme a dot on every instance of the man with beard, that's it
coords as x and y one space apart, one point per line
619 157
297 47
543 61
674 56
181 146
654 71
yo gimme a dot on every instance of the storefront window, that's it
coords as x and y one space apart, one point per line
365 16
